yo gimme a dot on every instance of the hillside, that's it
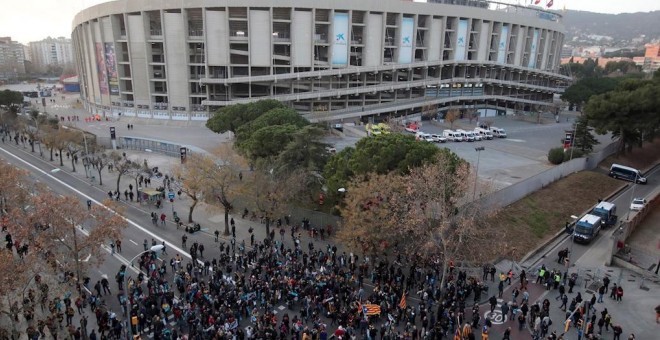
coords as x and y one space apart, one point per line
624 26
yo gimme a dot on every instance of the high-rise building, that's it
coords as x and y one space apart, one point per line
51 52
12 58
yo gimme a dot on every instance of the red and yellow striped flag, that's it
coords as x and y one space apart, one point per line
370 309
402 303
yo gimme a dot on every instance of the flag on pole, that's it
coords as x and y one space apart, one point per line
550 3
536 2
370 309
402 303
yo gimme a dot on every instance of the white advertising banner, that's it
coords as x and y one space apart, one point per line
533 49
340 39
501 47
406 43
461 38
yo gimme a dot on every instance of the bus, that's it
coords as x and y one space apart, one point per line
627 173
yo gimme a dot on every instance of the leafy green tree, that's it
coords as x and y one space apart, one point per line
266 143
379 154
230 118
628 112
304 151
584 138
9 98
623 66
580 92
278 116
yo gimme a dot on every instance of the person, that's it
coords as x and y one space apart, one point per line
162 218
619 294
217 234
617 330
507 334
118 245
184 238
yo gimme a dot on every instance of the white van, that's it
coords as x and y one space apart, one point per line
452 135
497 132
484 133
468 136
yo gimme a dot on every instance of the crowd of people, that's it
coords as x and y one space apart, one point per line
280 289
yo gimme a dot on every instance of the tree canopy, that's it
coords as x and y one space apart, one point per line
248 136
580 92
231 118
426 210
9 98
630 112
380 155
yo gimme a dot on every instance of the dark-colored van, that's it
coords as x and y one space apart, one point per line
627 173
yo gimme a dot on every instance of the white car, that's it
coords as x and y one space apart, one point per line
438 138
427 137
638 204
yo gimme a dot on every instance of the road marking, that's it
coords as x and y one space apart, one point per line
144 230
515 140
135 243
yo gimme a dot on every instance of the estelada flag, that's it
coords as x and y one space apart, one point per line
370 309
402 303
536 2
550 3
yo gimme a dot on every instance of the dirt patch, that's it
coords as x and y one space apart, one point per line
537 217
639 158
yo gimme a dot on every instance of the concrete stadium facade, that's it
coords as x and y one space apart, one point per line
331 60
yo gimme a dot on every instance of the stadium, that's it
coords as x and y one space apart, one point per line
331 60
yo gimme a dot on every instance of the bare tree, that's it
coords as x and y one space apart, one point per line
427 211
451 116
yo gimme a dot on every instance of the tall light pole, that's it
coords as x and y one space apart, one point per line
632 196
155 248
476 175
86 158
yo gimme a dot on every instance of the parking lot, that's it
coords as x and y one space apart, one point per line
505 161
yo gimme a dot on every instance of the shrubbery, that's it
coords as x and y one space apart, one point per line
556 156
577 153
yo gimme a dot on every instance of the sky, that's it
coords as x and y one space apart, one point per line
32 20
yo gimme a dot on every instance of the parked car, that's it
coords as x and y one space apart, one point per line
637 204
438 138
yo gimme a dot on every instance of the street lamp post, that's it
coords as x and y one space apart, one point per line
86 158
155 248
632 196
570 252
476 175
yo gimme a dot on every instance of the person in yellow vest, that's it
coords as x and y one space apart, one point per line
484 333
557 279
541 274
502 277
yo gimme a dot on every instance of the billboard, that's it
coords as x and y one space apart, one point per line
405 47
461 38
111 68
533 49
501 47
340 36
100 69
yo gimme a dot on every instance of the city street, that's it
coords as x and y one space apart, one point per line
141 229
